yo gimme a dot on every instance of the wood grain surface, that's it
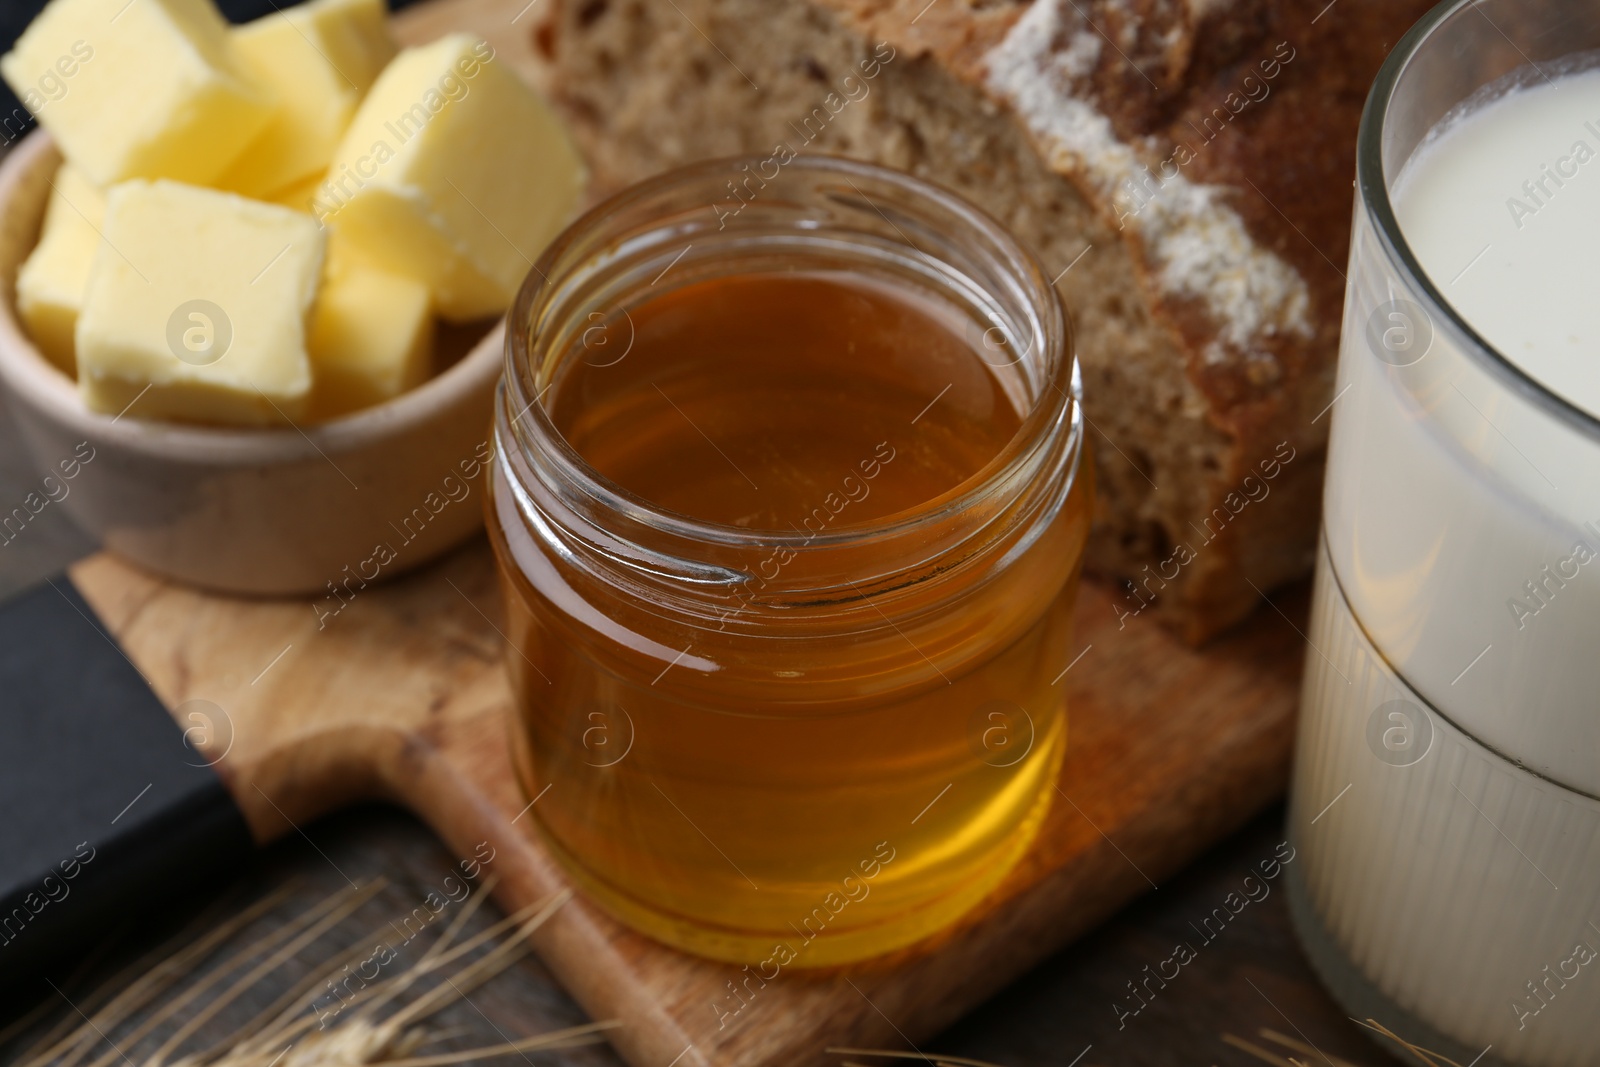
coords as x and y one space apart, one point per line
402 697
1248 999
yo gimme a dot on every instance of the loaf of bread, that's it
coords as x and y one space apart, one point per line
1185 165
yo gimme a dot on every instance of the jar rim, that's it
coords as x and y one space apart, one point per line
1056 406
1372 183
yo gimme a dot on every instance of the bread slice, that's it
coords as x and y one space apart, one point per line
1185 165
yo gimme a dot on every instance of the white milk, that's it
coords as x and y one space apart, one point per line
1457 872
1503 210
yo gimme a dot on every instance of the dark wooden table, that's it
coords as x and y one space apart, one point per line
1249 997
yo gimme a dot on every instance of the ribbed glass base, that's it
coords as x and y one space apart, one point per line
1361 1000
1441 888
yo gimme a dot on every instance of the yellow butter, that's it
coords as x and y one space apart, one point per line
319 60
196 307
298 195
142 89
454 173
51 283
371 339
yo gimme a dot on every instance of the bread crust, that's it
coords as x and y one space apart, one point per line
1198 153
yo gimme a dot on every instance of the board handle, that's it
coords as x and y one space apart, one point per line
306 705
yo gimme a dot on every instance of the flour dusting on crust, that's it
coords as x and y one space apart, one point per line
1196 245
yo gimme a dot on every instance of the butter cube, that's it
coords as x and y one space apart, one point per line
51 283
319 60
197 307
371 339
141 89
454 173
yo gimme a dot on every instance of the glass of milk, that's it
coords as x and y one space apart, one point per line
1448 763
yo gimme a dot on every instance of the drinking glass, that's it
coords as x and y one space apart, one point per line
1444 801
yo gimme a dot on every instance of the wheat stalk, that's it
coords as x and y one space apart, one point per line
284 1034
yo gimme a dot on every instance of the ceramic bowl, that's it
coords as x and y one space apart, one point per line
290 510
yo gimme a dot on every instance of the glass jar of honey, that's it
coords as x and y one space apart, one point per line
789 503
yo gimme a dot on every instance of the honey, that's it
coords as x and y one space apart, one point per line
748 400
789 570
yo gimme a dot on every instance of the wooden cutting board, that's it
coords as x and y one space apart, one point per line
402 696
